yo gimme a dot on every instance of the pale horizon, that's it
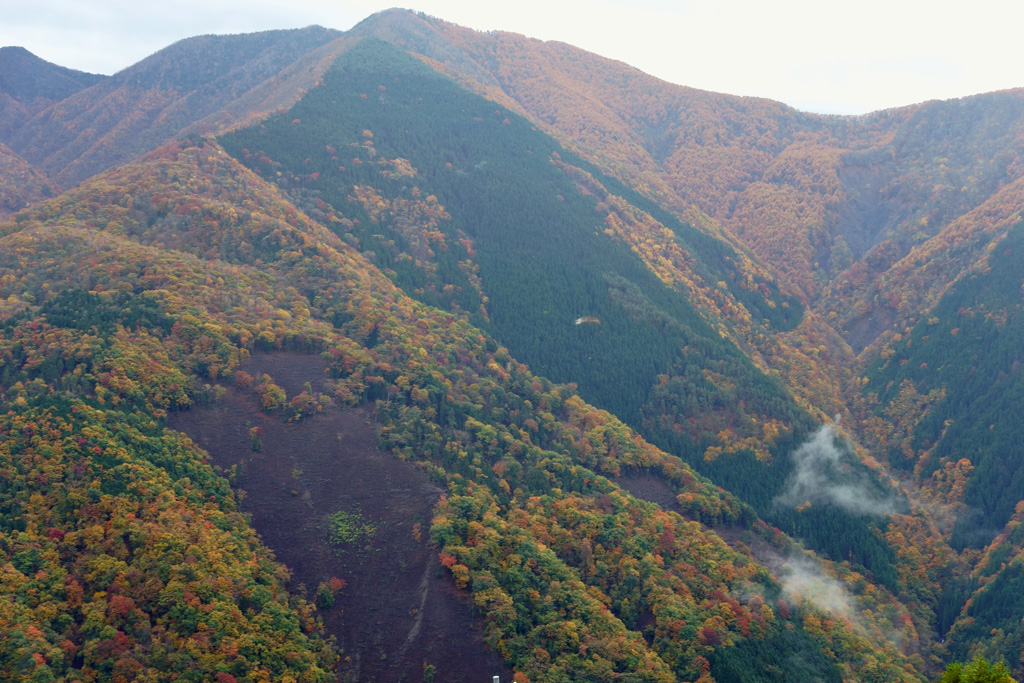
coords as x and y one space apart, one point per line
823 59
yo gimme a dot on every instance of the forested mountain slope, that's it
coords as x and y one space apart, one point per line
167 274
203 83
823 199
20 183
469 208
870 220
963 365
29 84
944 401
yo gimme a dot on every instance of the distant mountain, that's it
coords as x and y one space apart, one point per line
29 84
27 78
203 84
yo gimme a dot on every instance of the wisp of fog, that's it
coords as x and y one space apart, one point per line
821 476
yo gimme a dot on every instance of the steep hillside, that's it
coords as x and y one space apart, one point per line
469 208
348 520
554 554
631 126
20 184
989 600
687 147
903 277
202 83
960 371
871 220
822 199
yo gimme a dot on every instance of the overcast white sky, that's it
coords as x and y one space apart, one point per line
816 55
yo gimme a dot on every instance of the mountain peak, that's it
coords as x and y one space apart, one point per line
204 83
26 77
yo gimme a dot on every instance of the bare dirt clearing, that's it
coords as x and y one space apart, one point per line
400 610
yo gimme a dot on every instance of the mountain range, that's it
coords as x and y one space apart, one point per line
692 386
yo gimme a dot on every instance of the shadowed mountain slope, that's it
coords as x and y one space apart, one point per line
202 83
29 84
20 184
27 78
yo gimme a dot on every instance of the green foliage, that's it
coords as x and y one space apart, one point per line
993 617
102 313
324 598
837 533
781 657
345 528
969 350
977 671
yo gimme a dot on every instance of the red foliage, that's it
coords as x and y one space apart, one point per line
710 637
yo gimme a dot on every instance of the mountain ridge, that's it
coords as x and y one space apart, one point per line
722 149
149 103
28 78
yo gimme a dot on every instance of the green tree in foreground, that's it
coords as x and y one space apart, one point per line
978 671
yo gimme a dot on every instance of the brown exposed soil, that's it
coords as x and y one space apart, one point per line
400 610
649 487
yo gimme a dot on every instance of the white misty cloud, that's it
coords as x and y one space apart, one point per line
822 474
802 577
805 581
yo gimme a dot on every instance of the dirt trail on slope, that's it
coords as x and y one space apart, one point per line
400 610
